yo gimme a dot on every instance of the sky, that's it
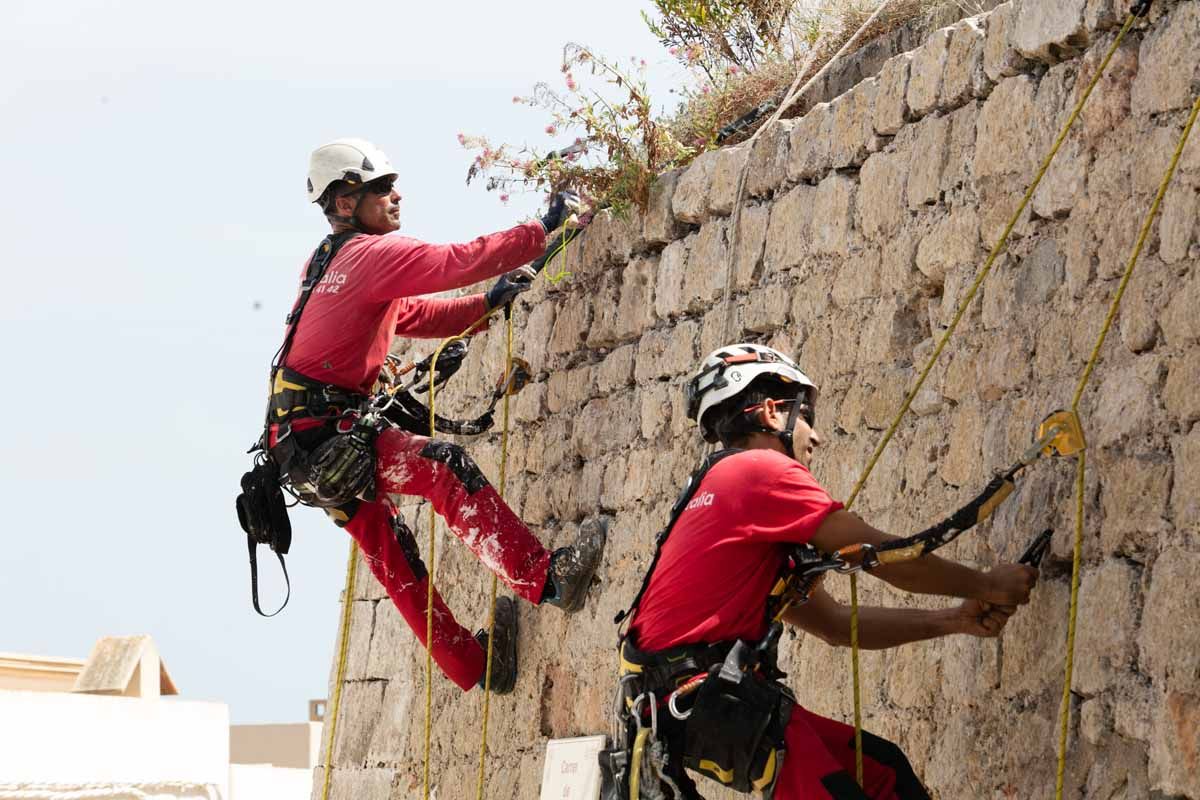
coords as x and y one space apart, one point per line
154 224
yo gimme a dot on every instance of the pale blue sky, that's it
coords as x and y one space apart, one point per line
153 157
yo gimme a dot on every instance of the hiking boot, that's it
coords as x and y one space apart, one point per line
504 651
572 568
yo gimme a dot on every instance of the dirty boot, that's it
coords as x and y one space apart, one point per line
504 650
571 568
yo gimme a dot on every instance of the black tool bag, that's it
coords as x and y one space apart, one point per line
262 513
735 734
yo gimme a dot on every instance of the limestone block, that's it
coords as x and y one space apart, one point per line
1108 106
1004 366
925 73
616 370
690 201
609 239
885 399
1033 642
1048 32
1185 495
672 272
1179 321
1064 182
362 622
1005 141
890 330
964 76
752 238
635 309
528 405
789 229
601 426
362 704
1167 70
891 98
880 198
1134 710
811 143
648 365
1178 219
907 686
1000 58
832 216
707 265
567 390
928 160
571 325
354 782
1105 651
853 132
1101 15
391 734
679 355
660 225
1119 771
389 637
1134 494
958 383
1170 625
768 314
1017 288
953 242
971 666
858 278
1175 746
960 465
898 262
655 410
768 159
723 184
1126 404
605 311
1180 395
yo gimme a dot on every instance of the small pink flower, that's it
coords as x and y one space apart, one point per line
571 84
733 69
705 90
673 51
516 99
462 139
642 63
550 129
504 198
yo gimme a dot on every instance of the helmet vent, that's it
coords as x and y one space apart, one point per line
367 165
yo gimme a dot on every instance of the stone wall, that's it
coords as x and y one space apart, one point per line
867 220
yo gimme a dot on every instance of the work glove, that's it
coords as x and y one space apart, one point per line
510 284
562 206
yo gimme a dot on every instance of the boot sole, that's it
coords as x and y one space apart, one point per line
593 535
504 649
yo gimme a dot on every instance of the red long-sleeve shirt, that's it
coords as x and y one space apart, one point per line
369 294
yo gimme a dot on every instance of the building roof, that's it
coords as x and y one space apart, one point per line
125 665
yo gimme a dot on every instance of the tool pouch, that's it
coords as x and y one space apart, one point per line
337 470
261 508
614 773
735 734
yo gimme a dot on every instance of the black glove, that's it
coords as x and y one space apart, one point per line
562 205
509 285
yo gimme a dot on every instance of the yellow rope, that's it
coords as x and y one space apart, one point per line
962 308
487 675
343 649
1068 668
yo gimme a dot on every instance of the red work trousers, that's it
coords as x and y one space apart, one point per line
819 764
442 473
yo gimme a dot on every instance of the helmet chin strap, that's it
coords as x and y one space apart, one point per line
786 436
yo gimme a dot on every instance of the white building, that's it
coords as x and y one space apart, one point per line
110 728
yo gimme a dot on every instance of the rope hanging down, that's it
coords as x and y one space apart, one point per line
962 308
1081 466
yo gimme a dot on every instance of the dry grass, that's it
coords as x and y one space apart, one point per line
824 28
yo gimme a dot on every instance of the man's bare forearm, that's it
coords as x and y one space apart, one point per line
878 628
926 575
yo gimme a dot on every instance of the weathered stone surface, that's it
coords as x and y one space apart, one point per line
1004 141
609 239
811 143
1179 321
853 134
925 73
964 76
635 309
690 201
571 325
833 214
672 272
891 98
1185 495
1166 73
1134 493
880 196
722 189
961 464
1105 652
1181 396
616 370
1000 58
928 161
1048 31
748 261
707 266
953 242
1127 401
769 159
1171 622
1175 747
605 311
790 228
1178 220
660 225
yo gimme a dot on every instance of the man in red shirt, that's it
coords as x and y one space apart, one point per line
711 580
369 292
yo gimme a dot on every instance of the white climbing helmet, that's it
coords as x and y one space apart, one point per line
354 161
728 371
